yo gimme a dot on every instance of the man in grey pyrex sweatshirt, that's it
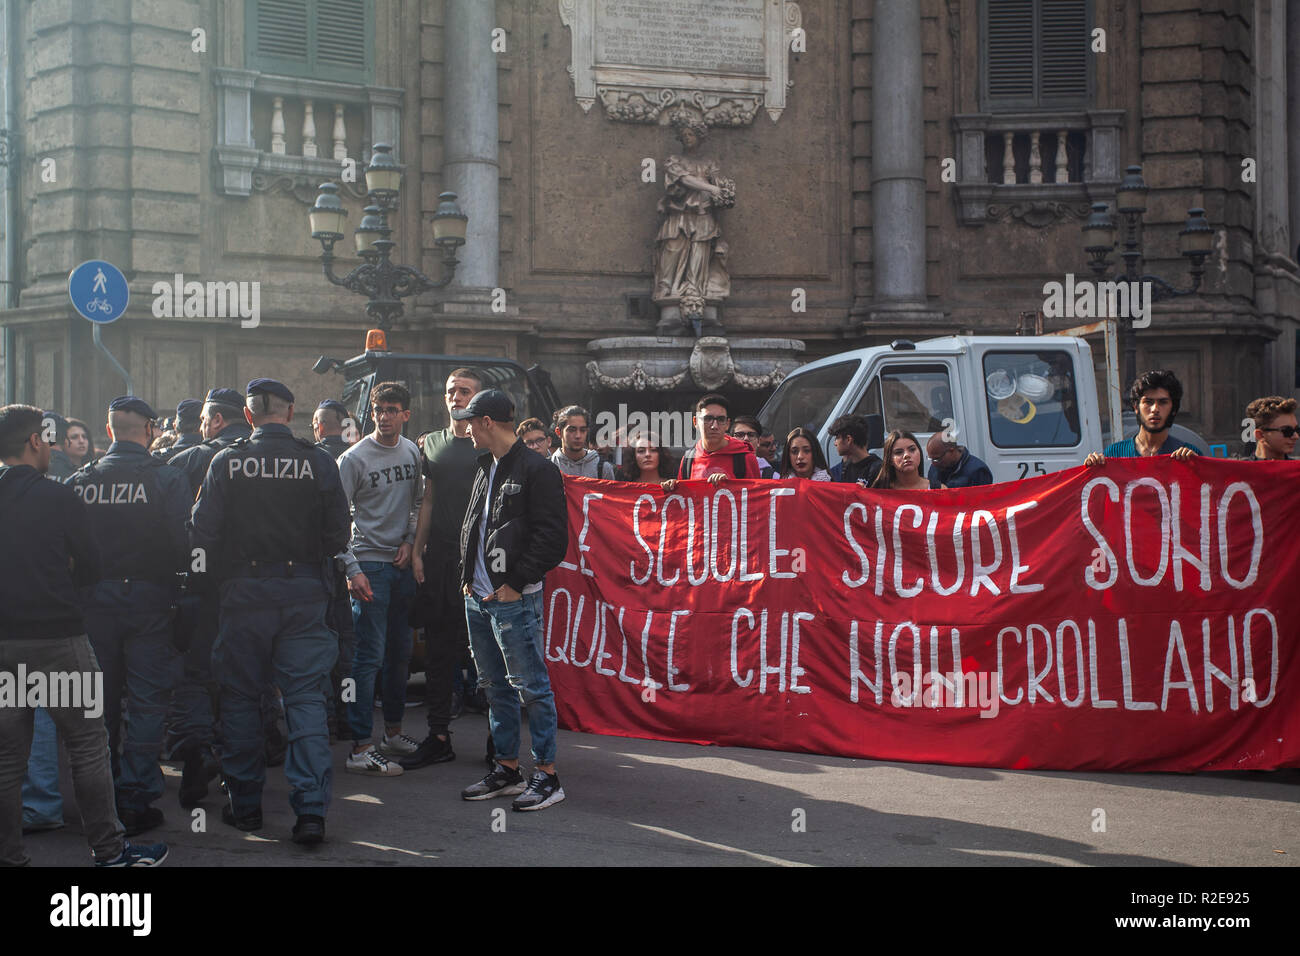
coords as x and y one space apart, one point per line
382 479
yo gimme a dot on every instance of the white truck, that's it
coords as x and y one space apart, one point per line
1025 404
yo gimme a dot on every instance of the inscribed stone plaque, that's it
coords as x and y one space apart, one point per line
724 59
725 36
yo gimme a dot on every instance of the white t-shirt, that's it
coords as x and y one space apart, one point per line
482 585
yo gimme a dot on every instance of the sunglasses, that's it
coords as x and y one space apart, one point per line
1288 431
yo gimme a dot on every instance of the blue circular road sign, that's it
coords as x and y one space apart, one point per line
98 290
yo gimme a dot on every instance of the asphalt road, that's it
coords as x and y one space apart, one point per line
641 802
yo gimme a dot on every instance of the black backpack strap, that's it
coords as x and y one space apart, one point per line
684 469
738 465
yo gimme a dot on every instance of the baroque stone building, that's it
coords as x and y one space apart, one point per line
911 167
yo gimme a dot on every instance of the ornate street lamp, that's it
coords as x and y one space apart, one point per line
1194 242
378 278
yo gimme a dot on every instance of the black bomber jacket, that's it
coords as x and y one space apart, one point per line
528 519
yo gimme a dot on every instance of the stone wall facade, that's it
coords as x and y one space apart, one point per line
153 175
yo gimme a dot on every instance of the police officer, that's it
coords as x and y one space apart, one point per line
137 506
271 515
186 424
194 705
332 425
221 423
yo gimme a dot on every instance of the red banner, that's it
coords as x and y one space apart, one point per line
1143 615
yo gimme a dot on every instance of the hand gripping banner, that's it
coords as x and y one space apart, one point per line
1141 615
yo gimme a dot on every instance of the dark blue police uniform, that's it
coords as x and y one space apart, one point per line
271 515
193 719
137 507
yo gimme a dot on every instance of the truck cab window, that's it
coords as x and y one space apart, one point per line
1032 402
917 398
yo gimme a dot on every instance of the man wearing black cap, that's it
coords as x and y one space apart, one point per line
193 724
515 530
270 516
329 425
137 506
221 424
188 411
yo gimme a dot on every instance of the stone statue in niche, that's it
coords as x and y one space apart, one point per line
690 261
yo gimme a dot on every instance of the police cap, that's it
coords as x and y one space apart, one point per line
269 386
333 404
492 402
187 411
129 403
225 396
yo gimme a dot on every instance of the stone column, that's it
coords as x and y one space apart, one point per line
470 167
897 164
1292 126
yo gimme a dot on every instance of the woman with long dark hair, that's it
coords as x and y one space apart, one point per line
78 445
904 467
645 461
803 458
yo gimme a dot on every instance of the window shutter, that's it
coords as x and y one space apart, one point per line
1036 53
1064 53
322 39
1010 50
340 32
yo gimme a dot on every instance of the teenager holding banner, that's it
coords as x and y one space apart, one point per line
1156 397
717 456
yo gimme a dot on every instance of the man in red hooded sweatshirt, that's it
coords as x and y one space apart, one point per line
717 456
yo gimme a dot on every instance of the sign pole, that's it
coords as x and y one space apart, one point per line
99 344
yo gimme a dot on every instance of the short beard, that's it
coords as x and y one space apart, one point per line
1155 431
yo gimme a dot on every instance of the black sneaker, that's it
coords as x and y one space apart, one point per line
501 782
247 822
310 828
431 751
146 854
201 766
543 790
138 821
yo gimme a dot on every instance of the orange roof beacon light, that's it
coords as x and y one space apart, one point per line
376 341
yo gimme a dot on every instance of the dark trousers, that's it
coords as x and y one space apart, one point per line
129 626
440 610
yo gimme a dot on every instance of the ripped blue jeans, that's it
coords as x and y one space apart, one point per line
506 641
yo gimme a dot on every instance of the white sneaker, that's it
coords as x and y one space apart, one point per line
398 745
372 762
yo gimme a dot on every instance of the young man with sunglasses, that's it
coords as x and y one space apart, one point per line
382 477
1275 428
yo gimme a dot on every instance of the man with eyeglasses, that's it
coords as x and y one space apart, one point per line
748 430
716 456
381 477
533 434
1275 428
